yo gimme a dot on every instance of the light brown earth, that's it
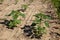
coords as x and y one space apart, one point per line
34 7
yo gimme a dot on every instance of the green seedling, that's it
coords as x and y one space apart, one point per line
37 20
13 23
46 24
15 20
16 14
39 30
42 16
56 4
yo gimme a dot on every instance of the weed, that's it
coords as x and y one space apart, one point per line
15 14
39 18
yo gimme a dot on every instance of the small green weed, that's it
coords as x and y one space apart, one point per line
15 21
38 30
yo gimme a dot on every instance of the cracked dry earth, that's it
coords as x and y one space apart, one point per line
53 32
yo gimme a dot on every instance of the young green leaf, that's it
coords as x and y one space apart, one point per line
15 21
46 17
37 20
22 14
46 23
10 24
39 15
12 13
